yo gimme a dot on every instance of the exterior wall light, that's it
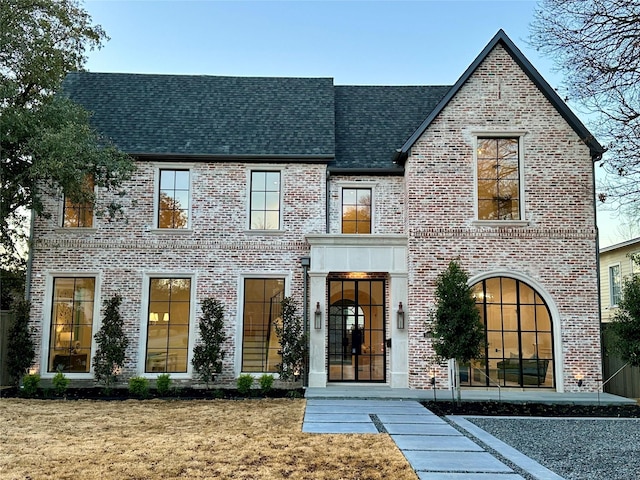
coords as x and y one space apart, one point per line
580 378
400 317
317 317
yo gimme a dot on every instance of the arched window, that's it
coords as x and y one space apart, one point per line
519 336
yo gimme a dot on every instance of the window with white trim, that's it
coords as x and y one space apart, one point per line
615 285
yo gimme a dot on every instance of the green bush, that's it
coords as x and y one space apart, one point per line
163 384
139 387
294 394
60 383
30 384
244 384
266 383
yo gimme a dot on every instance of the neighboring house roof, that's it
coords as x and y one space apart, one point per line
501 38
187 115
372 121
625 244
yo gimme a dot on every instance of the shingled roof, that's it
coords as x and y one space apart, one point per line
218 118
352 128
373 121
207 116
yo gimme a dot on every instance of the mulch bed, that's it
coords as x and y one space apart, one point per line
97 393
532 409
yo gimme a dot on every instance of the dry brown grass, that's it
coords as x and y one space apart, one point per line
222 439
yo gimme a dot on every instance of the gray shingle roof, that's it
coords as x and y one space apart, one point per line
218 117
373 121
207 115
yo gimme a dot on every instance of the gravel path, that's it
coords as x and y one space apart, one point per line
576 448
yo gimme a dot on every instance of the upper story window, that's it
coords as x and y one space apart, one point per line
498 175
615 285
356 210
264 209
78 215
173 199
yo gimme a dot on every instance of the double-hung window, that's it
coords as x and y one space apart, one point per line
173 199
499 179
264 208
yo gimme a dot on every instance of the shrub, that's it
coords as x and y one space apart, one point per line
293 341
60 383
112 344
208 354
30 384
294 394
266 383
139 387
163 384
244 384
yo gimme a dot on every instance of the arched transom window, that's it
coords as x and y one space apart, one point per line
519 337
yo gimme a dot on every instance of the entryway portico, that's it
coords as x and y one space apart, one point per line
358 282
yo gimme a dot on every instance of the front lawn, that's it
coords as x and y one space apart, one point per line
159 439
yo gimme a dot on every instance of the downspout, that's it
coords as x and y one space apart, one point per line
328 202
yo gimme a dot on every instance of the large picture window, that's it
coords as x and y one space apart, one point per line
71 324
356 210
173 199
78 214
265 201
498 174
168 325
262 309
519 337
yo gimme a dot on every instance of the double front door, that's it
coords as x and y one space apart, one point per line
357 348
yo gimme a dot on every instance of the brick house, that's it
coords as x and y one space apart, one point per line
351 200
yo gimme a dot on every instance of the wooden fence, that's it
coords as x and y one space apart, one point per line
627 382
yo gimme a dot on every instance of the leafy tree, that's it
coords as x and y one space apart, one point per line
626 322
293 341
209 353
111 344
595 44
458 331
11 286
21 350
47 144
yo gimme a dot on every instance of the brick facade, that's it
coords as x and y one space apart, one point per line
422 220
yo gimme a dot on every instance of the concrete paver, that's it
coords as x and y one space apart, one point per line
434 449
435 442
467 476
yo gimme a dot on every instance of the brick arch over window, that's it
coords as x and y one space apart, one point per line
519 319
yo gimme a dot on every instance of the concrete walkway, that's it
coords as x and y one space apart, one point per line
377 391
434 449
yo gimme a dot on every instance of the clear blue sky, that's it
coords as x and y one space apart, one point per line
355 42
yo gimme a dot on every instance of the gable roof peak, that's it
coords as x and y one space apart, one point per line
502 38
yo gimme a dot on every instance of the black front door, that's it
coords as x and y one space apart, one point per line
357 350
